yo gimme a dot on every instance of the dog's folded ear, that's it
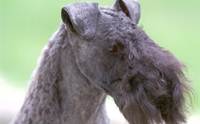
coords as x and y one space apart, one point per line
81 18
130 7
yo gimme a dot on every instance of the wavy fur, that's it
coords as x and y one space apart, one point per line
157 84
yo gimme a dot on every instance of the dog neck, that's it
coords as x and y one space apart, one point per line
59 93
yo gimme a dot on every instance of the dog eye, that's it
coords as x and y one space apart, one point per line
116 48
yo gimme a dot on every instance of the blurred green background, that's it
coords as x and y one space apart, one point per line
26 25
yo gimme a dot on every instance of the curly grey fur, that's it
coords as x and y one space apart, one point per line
116 57
154 86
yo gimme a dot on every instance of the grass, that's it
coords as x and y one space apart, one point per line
25 27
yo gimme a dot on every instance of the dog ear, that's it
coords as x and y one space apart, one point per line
130 7
81 18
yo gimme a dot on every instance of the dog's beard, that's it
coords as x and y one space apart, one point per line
149 102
